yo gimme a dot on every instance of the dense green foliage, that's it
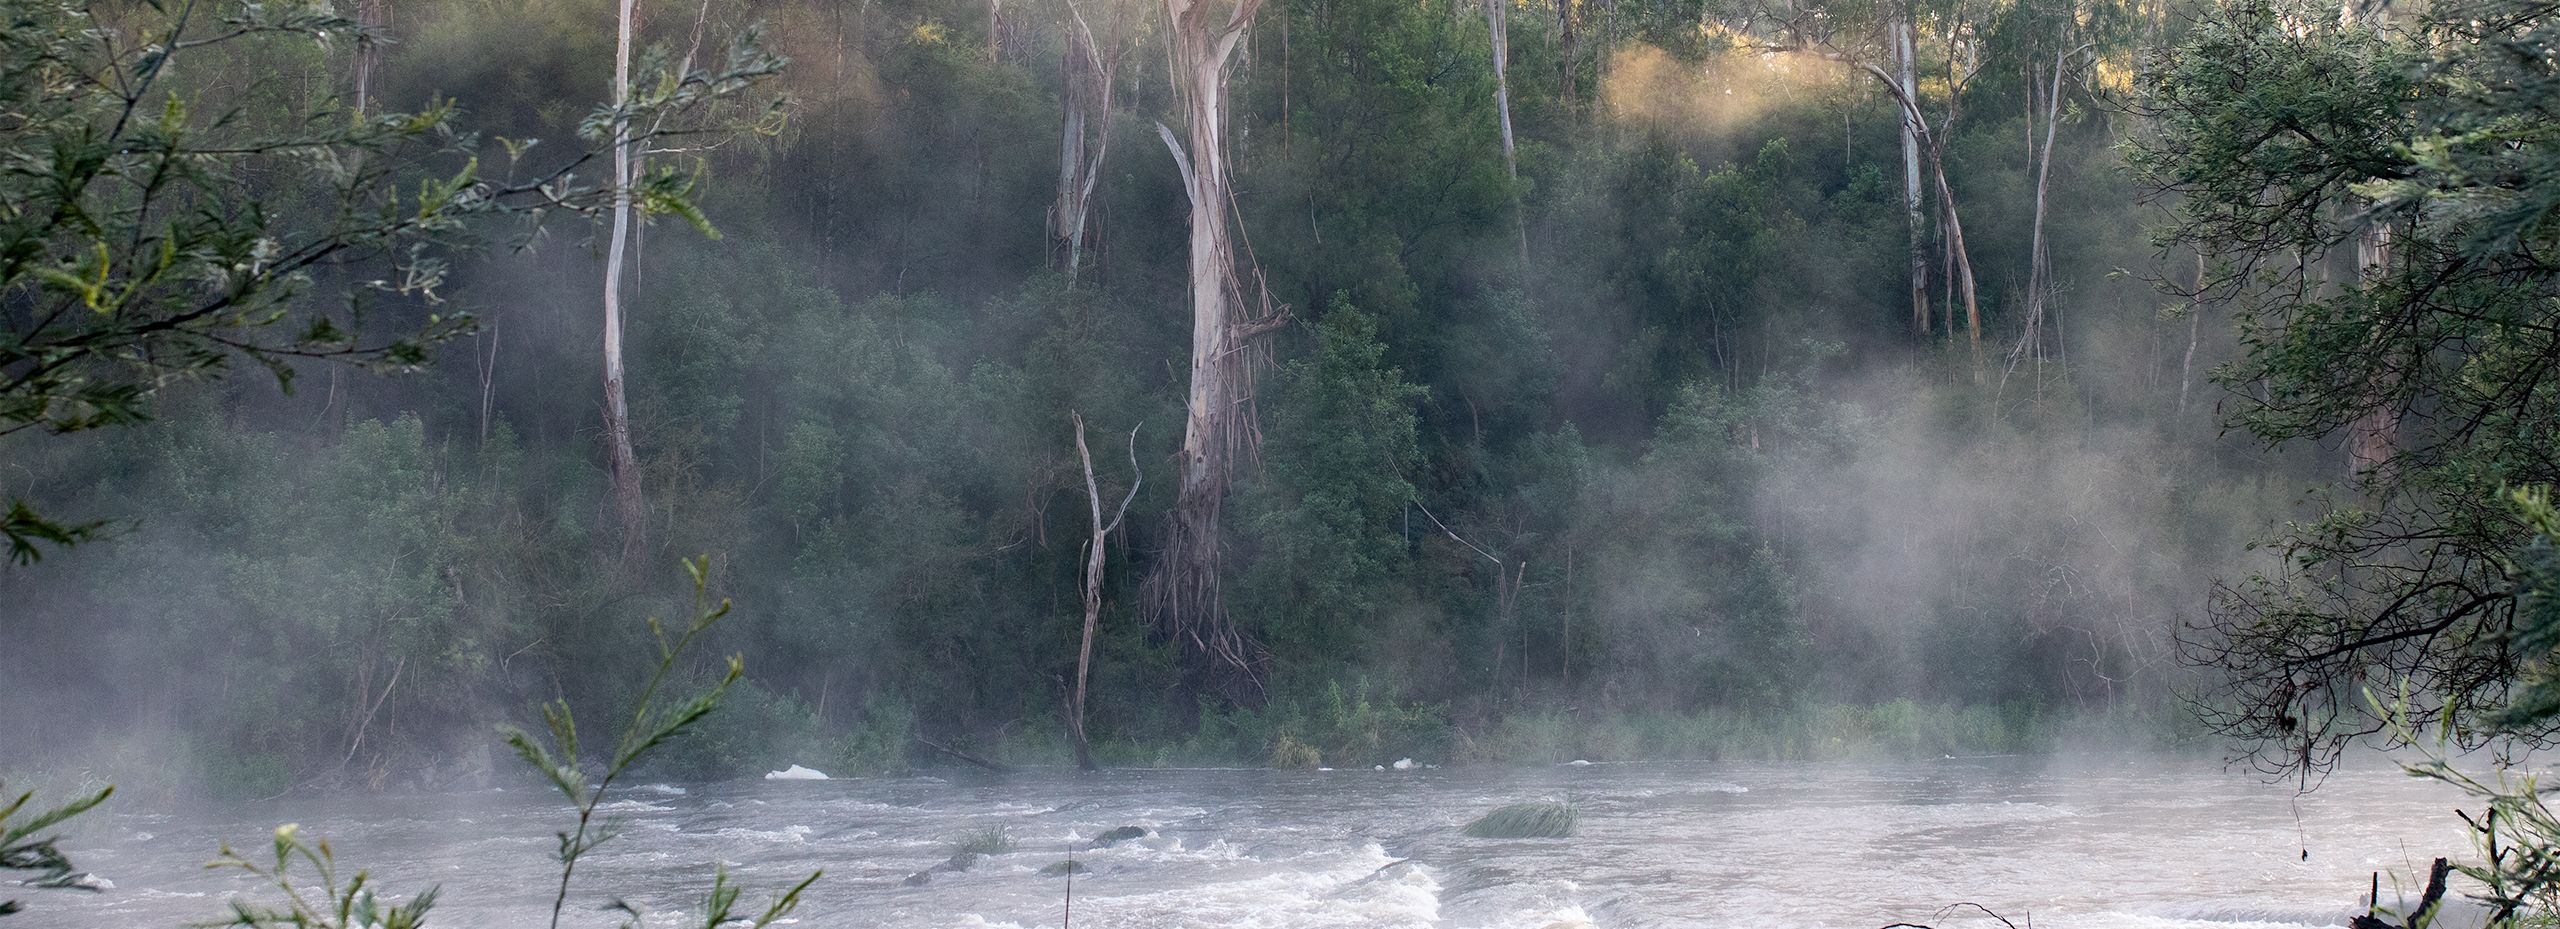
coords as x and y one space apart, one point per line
1636 455
2377 203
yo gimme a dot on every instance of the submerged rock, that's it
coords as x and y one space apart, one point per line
1539 820
1064 868
1113 837
919 878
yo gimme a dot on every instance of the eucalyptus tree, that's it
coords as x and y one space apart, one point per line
1203 36
159 227
2284 135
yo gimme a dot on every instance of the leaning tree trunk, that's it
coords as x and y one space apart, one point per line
1936 150
1906 61
1183 592
628 504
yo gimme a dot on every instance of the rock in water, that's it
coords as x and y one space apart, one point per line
1542 820
1404 764
1064 868
796 773
1113 837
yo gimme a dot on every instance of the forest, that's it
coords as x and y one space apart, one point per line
1289 383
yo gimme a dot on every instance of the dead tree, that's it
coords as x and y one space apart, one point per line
1182 594
1093 554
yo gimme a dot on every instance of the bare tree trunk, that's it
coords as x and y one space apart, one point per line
1565 50
2039 265
628 504
1183 592
1091 79
1906 61
1946 207
1497 18
1093 577
2371 437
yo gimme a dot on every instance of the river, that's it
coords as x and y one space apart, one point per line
2091 842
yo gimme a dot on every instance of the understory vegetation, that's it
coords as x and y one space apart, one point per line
1695 415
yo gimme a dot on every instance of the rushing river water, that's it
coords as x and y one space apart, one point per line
2094 843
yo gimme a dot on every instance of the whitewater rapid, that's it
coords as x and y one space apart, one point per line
2100 843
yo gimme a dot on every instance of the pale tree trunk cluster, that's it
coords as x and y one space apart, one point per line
1926 141
1183 593
2039 259
1088 74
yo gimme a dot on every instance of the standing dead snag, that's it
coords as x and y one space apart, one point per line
1093 576
1182 594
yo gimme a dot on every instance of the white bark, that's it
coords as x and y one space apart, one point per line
1906 61
617 411
1184 591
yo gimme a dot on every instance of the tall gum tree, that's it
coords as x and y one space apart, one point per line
1182 594
629 507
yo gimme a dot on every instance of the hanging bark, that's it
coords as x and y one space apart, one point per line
1093 555
1090 78
372 16
1906 62
628 505
1182 594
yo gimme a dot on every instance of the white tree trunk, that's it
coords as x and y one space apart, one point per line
1497 18
1906 61
1183 593
628 504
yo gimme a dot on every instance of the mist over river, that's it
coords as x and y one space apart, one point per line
2091 842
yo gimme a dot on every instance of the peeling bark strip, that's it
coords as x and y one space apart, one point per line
628 505
1182 595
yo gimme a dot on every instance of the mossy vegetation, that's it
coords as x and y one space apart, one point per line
1544 819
